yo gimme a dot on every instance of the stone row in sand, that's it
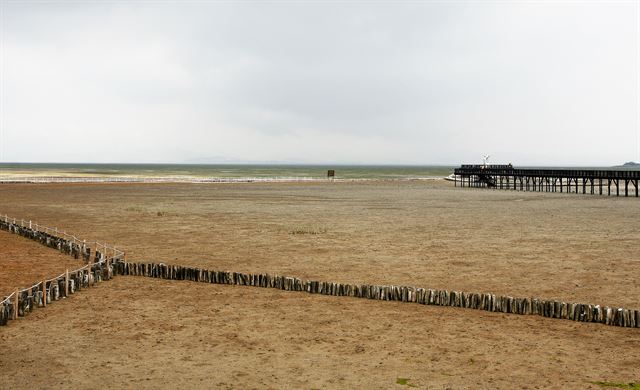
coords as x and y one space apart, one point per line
581 312
69 247
41 293
44 292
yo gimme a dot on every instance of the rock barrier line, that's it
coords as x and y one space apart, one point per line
105 267
580 312
23 300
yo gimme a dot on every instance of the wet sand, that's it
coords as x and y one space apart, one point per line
136 332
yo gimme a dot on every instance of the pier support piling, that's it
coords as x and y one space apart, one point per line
547 180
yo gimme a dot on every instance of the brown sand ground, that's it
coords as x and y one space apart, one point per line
134 332
23 262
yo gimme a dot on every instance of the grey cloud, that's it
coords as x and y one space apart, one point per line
532 83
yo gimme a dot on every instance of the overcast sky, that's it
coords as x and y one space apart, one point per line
532 83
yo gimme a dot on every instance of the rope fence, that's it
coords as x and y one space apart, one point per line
40 294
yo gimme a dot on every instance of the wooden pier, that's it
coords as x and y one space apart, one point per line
585 181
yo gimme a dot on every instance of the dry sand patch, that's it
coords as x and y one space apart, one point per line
23 262
167 333
569 247
146 333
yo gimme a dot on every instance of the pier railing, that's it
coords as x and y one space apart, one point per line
548 180
559 173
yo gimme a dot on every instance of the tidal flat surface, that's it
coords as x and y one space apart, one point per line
578 248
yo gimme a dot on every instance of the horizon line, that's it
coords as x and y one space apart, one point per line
302 164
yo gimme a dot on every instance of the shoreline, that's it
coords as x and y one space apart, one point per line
193 180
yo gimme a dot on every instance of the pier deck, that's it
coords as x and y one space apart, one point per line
585 181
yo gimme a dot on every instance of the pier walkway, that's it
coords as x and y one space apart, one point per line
585 181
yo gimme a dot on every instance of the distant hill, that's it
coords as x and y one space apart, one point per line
630 164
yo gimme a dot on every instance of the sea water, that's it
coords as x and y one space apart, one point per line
222 171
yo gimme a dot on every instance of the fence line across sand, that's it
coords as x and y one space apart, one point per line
23 301
480 301
41 293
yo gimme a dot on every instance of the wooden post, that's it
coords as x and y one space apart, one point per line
626 187
15 304
44 293
66 283
600 185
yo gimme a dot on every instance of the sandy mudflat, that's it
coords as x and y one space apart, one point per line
24 262
134 332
